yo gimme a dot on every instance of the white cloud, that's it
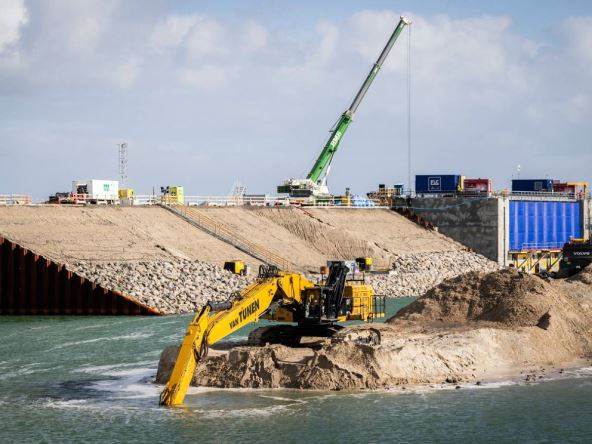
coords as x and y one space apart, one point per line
172 32
482 92
206 37
254 36
13 16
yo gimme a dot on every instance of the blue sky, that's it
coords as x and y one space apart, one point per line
208 93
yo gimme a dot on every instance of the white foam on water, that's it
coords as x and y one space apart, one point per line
245 413
133 336
112 370
130 383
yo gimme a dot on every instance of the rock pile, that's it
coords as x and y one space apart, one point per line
414 274
178 286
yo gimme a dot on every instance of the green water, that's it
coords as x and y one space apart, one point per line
89 379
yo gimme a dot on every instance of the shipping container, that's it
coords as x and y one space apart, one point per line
537 225
578 190
481 186
97 189
532 185
438 183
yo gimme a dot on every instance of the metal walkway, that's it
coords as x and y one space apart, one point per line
225 234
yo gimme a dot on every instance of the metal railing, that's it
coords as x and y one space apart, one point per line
532 246
15 199
224 233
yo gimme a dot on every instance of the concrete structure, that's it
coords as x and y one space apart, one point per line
483 224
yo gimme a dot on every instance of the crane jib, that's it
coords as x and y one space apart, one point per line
332 144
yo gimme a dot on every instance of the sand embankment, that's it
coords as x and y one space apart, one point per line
157 257
470 328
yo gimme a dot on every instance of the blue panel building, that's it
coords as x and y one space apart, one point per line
536 225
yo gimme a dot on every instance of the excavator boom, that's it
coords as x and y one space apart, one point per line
208 326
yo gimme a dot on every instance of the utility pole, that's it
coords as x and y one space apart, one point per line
122 164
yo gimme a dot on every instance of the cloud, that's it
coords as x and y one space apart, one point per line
172 32
243 95
255 36
13 16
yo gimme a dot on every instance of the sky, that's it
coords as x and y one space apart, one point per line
210 93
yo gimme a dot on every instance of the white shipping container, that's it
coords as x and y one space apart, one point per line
97 189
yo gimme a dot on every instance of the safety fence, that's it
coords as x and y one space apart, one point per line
15 199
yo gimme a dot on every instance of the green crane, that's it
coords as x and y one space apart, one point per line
314 184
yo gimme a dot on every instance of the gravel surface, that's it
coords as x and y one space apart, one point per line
183 286
179 286
414 274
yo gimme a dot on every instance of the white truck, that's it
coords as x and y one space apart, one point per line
96 191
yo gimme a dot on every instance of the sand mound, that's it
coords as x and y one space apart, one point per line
506 297
473 327
584 276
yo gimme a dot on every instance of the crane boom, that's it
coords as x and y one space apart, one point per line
341 126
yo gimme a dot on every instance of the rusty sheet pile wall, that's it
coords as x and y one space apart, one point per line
33 285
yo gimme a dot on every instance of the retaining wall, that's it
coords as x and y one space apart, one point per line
31 284
476 223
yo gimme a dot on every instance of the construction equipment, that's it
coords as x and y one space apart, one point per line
315 184
172 195
576 255
278 296
236 267
364 263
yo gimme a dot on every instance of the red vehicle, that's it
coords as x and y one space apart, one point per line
477 186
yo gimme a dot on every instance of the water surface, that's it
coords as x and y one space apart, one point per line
90 379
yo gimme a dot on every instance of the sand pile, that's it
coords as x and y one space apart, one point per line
470 328
506 297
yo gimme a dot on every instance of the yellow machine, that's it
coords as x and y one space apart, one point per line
173 194
126 193
364 263
277 296
236 267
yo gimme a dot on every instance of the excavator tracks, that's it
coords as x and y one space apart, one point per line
290 335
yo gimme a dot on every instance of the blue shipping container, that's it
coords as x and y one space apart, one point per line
437 183
536 225
532 185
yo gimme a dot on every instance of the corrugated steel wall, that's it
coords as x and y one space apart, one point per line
536 225
31 284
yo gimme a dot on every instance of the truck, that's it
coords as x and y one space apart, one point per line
95 191
314 187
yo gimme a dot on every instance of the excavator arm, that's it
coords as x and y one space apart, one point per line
210 325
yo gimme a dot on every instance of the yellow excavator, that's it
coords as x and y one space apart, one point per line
316 309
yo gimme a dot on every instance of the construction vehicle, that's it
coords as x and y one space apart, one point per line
172 195
576 255
236 267
314 187
364 263
278 296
